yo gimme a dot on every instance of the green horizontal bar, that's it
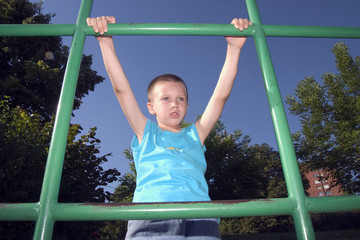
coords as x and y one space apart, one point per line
311 31
334 204
191 29
18 30
228 30
214 209
182 29
120 211
19 211
121 29
112 211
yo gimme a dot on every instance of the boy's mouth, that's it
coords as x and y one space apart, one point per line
174 114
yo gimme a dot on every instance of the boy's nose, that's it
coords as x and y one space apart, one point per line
174 104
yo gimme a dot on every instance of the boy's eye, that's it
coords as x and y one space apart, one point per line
181 99
165 99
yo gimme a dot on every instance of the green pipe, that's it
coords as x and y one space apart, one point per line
19 211
21 30
118 211
190 29
125 211
53 170
311 31
301 215
228 29
48 210
334 204
181 29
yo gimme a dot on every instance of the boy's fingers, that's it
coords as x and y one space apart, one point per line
246 23
238 23
104 23
94 25
241 23
100 24
110 19
235 22
88 21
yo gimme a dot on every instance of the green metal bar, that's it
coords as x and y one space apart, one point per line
48 210
311 31
124 211
22 30
183 29
302 219
80 212
53 170
19 211
172 29
334 204
228 29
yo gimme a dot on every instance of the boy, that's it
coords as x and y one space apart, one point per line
169 160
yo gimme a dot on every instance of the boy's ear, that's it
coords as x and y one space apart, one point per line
150 108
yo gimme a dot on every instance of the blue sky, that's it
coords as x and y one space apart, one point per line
198 60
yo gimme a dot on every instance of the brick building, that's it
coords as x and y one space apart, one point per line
320 184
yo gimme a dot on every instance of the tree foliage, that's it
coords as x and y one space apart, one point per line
32 68
23 149
24 142
237 170
124 193
31 73
329 113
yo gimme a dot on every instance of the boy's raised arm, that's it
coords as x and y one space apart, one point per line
117 76
225 83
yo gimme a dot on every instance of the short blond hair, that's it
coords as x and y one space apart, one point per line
166 78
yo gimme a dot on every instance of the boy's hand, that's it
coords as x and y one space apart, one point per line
100 24
240 24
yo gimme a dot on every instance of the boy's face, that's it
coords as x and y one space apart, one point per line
169 104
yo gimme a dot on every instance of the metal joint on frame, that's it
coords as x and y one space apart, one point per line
48 210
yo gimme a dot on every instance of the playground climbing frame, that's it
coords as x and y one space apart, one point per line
47 211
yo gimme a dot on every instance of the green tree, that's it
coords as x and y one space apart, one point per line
124 193
329 113
83 180
31 73
32 68
23 149
230 173
238 170
24 142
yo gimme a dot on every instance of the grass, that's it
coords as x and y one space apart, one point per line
353 234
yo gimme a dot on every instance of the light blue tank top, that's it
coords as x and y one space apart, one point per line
170 166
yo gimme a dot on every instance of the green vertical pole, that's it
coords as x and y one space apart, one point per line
301 215
52 177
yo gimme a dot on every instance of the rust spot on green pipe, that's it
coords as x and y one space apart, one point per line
223 202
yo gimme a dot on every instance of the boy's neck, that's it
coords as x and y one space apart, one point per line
170 129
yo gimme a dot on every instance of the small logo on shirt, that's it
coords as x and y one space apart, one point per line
172 148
